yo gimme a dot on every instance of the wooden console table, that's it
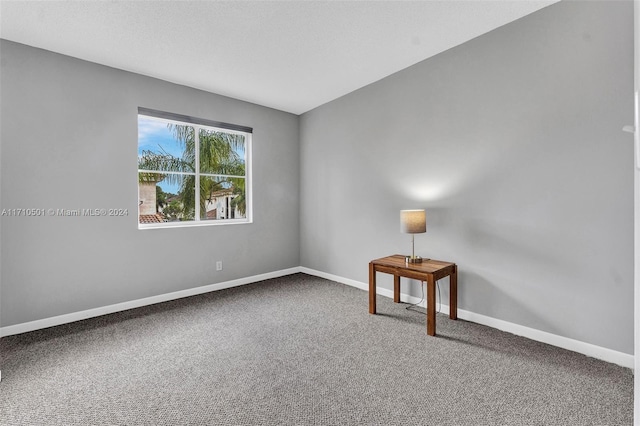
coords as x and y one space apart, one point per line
429 271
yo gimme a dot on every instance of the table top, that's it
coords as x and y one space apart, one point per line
428 266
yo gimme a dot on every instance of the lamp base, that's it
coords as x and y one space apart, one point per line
413 259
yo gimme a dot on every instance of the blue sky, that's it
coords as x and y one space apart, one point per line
155 136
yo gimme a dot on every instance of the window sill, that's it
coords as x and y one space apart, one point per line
217 222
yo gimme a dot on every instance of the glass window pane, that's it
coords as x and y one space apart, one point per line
222 153
165 146
166 197
222 198
168 172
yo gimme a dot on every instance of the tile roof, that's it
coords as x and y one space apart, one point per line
151 218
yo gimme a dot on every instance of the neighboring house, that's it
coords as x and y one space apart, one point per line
151 218
218 206
147 197
147 211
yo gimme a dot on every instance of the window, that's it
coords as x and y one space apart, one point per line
192 171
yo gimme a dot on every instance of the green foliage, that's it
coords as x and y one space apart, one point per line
239 202
217 156
173 211
161 198
150 160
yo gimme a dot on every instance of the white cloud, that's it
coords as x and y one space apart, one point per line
148 127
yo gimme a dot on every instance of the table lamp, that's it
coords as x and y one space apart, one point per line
413 222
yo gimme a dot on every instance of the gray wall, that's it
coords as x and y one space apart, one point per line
69 140
512 142
636 377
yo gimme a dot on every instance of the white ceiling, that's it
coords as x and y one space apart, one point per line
288 55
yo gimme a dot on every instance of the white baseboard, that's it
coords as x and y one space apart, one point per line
588 349
104 310
609 355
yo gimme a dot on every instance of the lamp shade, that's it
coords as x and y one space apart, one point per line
413 221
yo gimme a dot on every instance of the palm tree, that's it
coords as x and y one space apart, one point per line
220 167
239 201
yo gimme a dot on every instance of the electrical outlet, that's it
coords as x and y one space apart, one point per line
219 265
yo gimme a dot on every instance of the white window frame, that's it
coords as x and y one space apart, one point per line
210 126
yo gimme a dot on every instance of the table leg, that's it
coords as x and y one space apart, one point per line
396 288
372 289
453 294
431 306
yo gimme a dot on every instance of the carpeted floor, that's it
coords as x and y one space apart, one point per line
298 350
